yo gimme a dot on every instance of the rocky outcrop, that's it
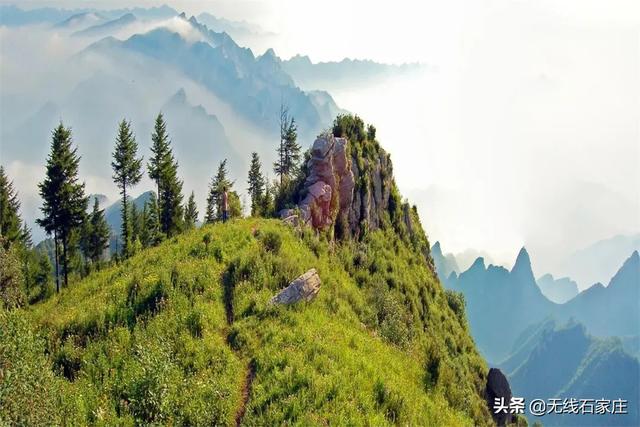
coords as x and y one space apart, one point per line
330 183
349 190
345 188
498 388
305 287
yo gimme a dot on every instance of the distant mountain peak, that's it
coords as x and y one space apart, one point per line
182 15
180 97
270 54
523 263
478 264
436 249
628 276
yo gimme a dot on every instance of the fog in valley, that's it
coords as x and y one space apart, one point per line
520 128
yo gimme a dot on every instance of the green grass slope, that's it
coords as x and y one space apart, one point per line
183 334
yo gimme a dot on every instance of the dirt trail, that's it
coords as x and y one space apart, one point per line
250 371
246 391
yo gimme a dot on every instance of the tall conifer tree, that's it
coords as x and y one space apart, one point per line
95 236
9 211
64 202
256 184
214 201
151 234
163 169
288 150
191 212
127 172
160 149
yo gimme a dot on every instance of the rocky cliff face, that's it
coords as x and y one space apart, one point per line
349 190
345 190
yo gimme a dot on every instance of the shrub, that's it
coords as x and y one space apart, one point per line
195 324
272 241
456 302
11 293
388 401
206 239
30 394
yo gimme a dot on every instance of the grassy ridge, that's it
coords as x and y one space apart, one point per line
170 336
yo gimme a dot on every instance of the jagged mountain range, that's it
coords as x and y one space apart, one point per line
14 16
496 296
253 86
106 28
347 72
584 348
219 99
553 361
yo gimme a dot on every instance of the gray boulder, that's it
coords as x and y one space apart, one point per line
305 287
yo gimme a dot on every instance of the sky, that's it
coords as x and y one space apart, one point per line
524 130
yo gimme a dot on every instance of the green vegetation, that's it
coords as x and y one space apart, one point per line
179 329
288 150
127 172
95 235
256 184
9 210
178 333
191 212
220 183
64 201
163 169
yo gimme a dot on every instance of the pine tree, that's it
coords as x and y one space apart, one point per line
292 149
161 149
214 200
95 236
191 212
267 200
64 202
256 184
288 150
136 220
151 234
127 172
26 237
9 211
170 200
163 169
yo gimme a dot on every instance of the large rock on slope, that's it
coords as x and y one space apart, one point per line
498 388
330 182
305 287
345 187
349 190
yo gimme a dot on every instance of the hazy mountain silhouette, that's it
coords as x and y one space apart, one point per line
347 72
599 262
13 16
253 86
611 310
557 290
565 362
81 21
500 303
113 212
445 264
107 28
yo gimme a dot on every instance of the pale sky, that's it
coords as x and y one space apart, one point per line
524 131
